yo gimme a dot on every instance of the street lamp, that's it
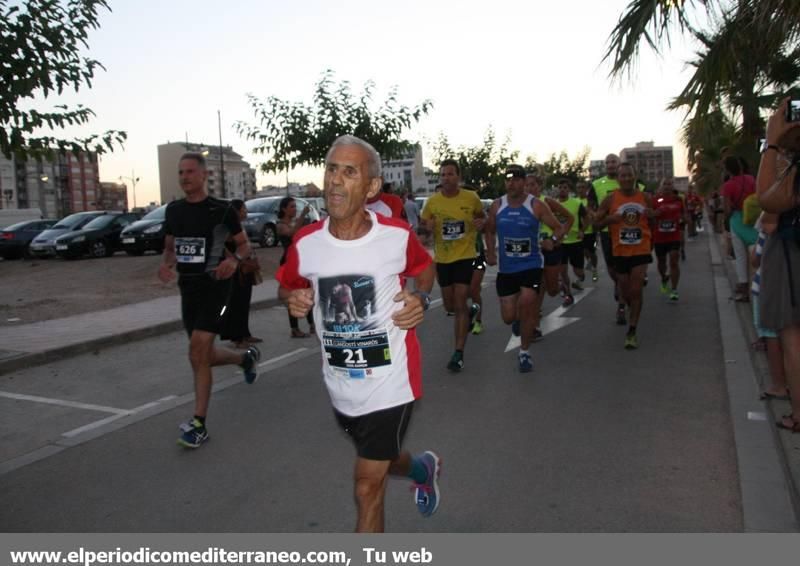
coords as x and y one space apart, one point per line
133 179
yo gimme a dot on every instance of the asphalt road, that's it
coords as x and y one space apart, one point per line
596 439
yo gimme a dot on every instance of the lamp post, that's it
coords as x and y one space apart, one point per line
133 179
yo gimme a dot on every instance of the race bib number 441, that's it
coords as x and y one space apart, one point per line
190 250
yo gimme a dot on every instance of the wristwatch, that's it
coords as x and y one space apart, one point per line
425 297
768 146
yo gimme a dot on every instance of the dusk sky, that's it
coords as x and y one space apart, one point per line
533 71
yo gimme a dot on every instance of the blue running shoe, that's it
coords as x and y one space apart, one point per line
515 328
426 495
249 364
194 434
525 363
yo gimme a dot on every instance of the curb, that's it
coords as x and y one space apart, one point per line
33 359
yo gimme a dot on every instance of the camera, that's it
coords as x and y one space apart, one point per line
793 111
762 145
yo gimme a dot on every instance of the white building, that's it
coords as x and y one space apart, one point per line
406 173
652 163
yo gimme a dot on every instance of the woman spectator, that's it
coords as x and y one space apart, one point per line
288 224
779 193
237 321
736 188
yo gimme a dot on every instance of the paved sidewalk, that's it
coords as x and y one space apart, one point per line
37 343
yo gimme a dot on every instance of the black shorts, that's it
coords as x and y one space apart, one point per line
664 248
573 255
590 242
508 284
624 264
203 301
605 244
378 435
457 272
553 257
479 263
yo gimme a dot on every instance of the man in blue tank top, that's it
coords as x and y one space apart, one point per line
515 219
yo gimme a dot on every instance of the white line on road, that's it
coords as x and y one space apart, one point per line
281 357
64 403
97 424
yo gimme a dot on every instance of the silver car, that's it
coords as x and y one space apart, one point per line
262 219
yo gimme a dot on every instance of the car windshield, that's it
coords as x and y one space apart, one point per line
73 221
99 222
157 214
267 205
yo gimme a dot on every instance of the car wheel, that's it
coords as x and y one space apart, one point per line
99 249
269 237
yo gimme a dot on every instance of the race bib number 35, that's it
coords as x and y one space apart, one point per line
517 247
190 250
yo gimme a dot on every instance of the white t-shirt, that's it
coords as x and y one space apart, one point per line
368 363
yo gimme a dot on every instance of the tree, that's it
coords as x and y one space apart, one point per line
291 133
560 166
39 57
482 166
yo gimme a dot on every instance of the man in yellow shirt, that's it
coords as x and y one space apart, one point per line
455 216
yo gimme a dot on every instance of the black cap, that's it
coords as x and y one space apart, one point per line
515 172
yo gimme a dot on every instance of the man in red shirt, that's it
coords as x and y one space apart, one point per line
387 204
669 215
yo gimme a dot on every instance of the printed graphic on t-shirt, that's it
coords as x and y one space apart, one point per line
630 233
356 347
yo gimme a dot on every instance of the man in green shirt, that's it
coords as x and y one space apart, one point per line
572 247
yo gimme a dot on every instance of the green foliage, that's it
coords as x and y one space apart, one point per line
560 166
289 134
482 166
39 56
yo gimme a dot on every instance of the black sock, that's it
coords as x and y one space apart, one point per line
201 419
631 330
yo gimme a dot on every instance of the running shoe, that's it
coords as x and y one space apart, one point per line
474 309
537 335
194 434
525 363
456 363
644 284
426 495
249 364
631 343
674 295
515 328
477 327
569 300
594 275
683 254
665 286
621 320
577 286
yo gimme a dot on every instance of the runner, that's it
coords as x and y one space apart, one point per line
196 228
669 213
694 206
627 212
478 271
515 220
550 244
455 216
589 235
601 188
572 248
370 359
387 203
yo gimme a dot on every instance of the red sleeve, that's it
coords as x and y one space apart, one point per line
417 257
396 204
288 274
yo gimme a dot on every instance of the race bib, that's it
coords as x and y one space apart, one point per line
517 247
358 355
630 236
453 229
667 226
190 250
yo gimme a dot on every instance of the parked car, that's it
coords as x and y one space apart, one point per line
262 217
44 245
145 234
15 239
319 204
98 238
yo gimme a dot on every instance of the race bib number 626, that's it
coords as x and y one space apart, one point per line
190 250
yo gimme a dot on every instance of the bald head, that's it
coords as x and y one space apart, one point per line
612 165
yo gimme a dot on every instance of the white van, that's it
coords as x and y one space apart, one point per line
9 216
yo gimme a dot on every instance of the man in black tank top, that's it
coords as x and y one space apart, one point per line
196 228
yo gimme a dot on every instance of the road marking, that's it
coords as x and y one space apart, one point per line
281 357
553 321
64 403
97 424
756 416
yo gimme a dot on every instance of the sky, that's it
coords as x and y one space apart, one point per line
533 71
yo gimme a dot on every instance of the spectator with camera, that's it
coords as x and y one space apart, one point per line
778 188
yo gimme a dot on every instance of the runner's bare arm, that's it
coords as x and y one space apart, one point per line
165 270
491 233
299 301
545 214
413 311
227 267
603 218
559 209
